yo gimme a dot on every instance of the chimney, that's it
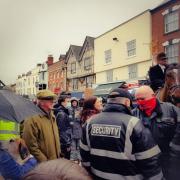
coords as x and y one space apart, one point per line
50 60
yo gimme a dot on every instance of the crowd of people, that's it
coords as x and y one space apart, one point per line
86 139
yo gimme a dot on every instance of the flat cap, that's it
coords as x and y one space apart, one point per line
46 95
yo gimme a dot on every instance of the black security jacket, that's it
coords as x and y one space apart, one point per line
115 145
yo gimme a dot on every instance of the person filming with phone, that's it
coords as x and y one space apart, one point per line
15 160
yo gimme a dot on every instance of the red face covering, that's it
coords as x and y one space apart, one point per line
147 105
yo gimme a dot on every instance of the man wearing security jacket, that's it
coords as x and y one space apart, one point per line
116 145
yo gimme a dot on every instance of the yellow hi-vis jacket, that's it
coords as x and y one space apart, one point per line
8 130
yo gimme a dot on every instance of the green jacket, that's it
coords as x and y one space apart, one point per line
41 135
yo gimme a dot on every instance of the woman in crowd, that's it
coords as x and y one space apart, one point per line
92 106
76 129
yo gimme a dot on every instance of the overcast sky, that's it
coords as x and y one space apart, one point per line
32 29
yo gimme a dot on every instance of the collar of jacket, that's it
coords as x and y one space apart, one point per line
49 116
62 108
113 107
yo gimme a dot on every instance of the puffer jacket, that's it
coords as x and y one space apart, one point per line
76 123
63 122
116 145
162 124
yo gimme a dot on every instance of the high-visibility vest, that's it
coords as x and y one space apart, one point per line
8 130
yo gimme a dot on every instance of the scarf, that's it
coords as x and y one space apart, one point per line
147 105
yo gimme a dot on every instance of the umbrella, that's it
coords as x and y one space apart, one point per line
16 108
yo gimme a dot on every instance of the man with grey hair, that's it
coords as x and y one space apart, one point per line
41 132
163 120
115 145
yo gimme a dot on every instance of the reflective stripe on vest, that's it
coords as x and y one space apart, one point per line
6 137
8 130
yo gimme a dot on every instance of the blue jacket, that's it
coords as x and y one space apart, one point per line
10 169
63 122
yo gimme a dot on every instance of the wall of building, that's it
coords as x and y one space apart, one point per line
55 78
138 28
158 28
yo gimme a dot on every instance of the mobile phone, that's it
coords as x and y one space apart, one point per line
23 151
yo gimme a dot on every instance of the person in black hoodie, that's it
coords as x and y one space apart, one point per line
63 121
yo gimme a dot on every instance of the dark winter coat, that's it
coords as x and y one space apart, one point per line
157 77
116 145
162 124
63 123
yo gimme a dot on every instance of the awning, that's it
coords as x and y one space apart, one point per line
104 89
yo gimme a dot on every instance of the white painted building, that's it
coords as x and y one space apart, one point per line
27 84
124 53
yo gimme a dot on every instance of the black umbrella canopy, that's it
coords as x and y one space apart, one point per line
16 108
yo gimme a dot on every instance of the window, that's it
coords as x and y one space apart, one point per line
171 21
132 71
87 63
172 52
131 48
28 81
107 54
89 81
73 68
75 84
109 76
43 76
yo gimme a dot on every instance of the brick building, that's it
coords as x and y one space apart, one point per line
166 30
56 75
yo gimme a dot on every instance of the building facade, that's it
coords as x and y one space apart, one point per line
80 66
124 53
27 84
166 30
56 76
32 82
72 61
43 76
20 84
